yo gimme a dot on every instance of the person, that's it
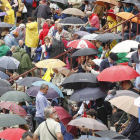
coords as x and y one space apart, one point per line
4 33
3 48
42 13
128 7
109 62
41 103
75 3
49 129
99 47
27 136
15 6
11 51
16 54
9 18
93 21
21 44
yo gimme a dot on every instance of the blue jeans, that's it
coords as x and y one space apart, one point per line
39 120
91 29
126 36
138 38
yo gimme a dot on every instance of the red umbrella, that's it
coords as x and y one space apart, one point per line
81 43
65 118
117 73
12 134
14 107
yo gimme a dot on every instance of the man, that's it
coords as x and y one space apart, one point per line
41 103
49 129
16 54
21 44
27 136
42 13
109 62
75 3
11 51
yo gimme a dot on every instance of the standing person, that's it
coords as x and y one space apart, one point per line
50 129
75 3
41 103
42 13
31 35
15 5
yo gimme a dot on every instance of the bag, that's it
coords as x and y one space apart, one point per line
21 7
24 10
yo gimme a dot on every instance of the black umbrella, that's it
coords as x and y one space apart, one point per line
131 1
72 21
88 94
80 80
3 24
85 52
5 89
108 36
4 83
61 3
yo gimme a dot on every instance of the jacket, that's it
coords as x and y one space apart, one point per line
3 50
17 54
28 1
10 17
9 53
99 11
44 32
31 35
57 16
94 21
134 59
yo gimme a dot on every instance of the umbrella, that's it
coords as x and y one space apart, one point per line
90 36
51 94
5 89
85 52
3 14
130 1
64 71
80 80
125 46
15 96
117 73
12 134
137 102
73 11
97 61
108 36
27 81
3 24
73 21
9 62
7 120
50 63
81 43
125 103
18 110
88 94
82 33
51 85
88 123
130 54
4 83
102 2
3 75
65 2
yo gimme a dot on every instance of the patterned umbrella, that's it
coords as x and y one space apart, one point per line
14 107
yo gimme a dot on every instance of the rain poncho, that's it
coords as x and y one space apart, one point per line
122 58
17 54
32 36
111 25
9 18
3 50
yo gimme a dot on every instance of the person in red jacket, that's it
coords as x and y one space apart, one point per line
44 32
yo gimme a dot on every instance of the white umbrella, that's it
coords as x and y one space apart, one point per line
97 61
129 54
125 46
90 37
137 102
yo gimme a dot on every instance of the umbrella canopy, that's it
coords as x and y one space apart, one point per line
3 24
73 21
64 71
97 61
51 85
80 80
81 43
88 123
5 89
4 83
50 63
102 2
65 2
85 52
9 62
15 96
7 120
108 36
3 75
137 102
15 108
117 73
27 81
88 94
73 11
82 33
3 14
125 103
12 134
90 36
51 94
130 1
125 46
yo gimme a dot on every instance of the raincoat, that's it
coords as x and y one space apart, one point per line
17 54
31 35
9 18
3 50
111 25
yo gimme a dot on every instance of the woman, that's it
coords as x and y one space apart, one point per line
3 48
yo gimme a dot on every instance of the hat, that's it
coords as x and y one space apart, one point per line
113 56
15 33
88 13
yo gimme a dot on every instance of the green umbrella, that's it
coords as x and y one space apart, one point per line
15 96
7 120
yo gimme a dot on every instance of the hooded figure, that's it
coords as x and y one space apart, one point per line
9 18
3 48
17 54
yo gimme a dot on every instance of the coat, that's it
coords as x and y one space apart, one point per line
10 17
9 53
99 11
17 54
31 35
3 50
44 32
134 59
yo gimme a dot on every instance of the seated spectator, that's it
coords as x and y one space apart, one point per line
128 7
3 48
21 44
119 20
99 47
4 33
57 15
11 51
53 30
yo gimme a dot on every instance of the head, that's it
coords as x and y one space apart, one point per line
119 19
135 7
113 57
6 30
83 58
139 48
86 2
30 19
2 42
13 49
75 36
27 136
92 113
93 2
21 42
46 39
126 85
59 28
44 88
119 4
89 14
22 26
98 44
90 61
55 70
15 74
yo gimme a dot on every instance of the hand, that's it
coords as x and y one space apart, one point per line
115 123
51 75
134 64
109 92
88 68
75 116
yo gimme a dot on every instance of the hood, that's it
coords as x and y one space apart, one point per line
8 6
45 26
22 51
17 49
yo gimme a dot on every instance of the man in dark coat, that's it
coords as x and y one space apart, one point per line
11 51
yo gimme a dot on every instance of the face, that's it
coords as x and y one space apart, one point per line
45 90
75 36
118 19
91 62
106 47
83 58
123 85
54 114
59 29
119 4
20 43
47 40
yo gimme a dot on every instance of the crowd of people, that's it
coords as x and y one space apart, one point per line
37 35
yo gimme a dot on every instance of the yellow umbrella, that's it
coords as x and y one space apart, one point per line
102 2
50 63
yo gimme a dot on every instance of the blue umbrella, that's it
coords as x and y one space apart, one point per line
51 85
3 75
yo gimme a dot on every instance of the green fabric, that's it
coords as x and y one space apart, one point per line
17 54
100 49
122 58
3 50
